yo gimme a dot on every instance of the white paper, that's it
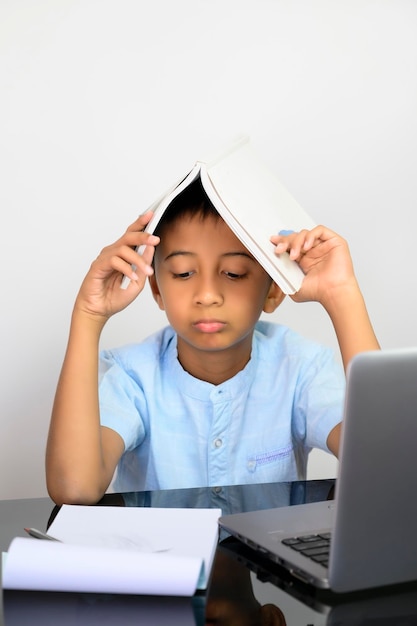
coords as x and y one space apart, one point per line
118 550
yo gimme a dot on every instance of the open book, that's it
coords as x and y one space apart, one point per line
253 203
128 550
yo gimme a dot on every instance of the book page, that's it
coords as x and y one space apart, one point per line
118 550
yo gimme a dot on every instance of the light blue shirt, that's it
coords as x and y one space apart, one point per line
257 427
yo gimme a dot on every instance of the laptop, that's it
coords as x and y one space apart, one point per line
371 524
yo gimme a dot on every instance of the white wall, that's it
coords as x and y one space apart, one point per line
104 103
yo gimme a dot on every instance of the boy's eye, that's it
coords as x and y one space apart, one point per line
190 273
182 274
235 275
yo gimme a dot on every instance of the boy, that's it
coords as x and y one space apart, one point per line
217 397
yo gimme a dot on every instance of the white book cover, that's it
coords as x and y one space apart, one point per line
253 203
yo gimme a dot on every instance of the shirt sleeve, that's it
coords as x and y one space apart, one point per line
121 401
319 400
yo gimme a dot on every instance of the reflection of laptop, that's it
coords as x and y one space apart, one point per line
307 605
373 519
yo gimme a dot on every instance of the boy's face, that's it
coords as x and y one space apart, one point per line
212 290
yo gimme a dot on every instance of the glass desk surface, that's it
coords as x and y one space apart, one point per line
244 590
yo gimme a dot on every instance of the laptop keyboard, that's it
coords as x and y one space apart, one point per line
315 547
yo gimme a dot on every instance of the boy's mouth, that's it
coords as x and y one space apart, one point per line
209 326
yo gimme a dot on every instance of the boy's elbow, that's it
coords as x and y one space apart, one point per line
73 493
333 440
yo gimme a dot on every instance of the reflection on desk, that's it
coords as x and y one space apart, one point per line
28 608
242 590
230 499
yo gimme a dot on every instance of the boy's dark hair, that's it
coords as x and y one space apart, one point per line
192 201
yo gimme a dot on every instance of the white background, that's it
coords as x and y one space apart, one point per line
105 103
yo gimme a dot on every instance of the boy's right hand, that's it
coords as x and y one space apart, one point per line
101 294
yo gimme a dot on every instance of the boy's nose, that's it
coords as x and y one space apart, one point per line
208 293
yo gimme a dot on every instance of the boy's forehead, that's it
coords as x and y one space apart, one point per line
200 230
210 236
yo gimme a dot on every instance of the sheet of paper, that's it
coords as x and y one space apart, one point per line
118 550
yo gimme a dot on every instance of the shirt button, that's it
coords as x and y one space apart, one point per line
218 443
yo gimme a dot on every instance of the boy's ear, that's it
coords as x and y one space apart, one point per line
155 292
273 299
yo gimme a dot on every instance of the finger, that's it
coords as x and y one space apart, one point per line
129 260
289 241
298 243
135 239
147 257
140 222
141 261
304 241
282 241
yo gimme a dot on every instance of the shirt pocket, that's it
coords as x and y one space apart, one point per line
271 461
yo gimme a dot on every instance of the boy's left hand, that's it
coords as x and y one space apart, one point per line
324 257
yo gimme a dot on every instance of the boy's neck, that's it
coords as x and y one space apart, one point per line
214 367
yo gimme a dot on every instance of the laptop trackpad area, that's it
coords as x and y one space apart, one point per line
300 519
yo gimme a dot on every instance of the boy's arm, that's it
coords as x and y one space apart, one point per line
81 456
333 440
354 332
347 310
330 279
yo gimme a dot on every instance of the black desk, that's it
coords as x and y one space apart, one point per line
240 584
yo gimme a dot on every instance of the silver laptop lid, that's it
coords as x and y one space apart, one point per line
373 521
374 539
